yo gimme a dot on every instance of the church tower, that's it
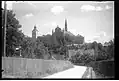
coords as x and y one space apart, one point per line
34 33
65 24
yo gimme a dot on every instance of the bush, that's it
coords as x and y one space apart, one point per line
82 56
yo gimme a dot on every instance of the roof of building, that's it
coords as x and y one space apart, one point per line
69 33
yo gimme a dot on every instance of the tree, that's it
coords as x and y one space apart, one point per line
110 49
31 49
40 50
105 52
14 36
27 47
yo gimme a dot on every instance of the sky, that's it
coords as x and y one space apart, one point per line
91 19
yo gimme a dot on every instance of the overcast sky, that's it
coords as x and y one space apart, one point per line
93 20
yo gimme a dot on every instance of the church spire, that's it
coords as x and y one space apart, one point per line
65 24
34 33
35 27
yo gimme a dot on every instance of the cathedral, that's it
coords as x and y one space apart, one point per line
57 33
57 30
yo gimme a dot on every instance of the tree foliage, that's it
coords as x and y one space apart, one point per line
31 49
100 53
14 36
27 47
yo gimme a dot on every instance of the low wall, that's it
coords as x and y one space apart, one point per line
33 67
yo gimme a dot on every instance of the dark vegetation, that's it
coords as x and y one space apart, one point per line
103 69
100 52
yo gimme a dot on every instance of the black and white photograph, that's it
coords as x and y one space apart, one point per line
58 40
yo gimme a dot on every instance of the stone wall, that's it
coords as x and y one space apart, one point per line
33 67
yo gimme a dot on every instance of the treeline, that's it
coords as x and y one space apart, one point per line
100 52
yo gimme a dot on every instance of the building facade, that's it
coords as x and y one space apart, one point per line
34 34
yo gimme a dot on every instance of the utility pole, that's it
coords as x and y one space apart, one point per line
5 23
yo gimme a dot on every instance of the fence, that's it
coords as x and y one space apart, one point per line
33 67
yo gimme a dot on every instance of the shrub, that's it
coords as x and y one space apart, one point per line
83 56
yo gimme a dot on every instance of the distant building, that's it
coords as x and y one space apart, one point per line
58 33
60 37
57 29
34 33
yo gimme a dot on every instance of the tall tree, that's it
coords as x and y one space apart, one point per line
14 36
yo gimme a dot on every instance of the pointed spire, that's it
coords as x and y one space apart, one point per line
57 26
65 24
34 33
35 26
